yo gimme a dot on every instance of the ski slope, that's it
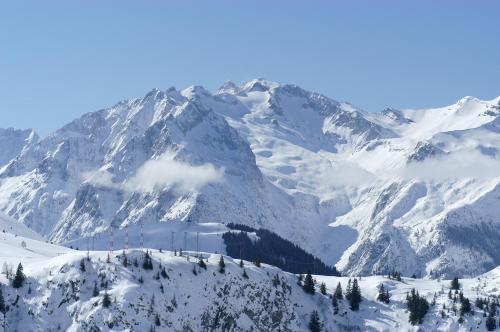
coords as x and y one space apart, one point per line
19 244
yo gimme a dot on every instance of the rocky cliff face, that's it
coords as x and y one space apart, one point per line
13 142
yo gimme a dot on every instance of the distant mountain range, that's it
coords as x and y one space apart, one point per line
410 190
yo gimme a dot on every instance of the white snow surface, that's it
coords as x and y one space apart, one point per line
59 295
415 190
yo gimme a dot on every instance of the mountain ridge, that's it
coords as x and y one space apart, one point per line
343 183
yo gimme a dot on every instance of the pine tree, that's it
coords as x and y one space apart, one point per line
245 275
443 315
276 280
2 301
147 264
348 290
300 278
315 323
335 304
383 294
157 320
354 296
222 265
338 292
202 264
164 273
309 284
241 263
3 307
257 262
395 275
82 265
491 323
418 307
465 307
106 300
322 288
125 260
479 303
152 303
95 292
493 308
455 284
19 278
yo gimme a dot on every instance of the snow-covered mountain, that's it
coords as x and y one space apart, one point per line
13 142
411 190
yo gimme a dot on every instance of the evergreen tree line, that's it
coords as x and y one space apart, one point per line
490 311
17 282
353 296
395 275
274 250
17 278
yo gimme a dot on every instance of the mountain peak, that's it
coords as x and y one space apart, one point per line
259 85
194 91
467 99
228 87
496 101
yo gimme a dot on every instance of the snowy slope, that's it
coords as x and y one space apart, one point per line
415 190
59 295
9 225
19 244
377 316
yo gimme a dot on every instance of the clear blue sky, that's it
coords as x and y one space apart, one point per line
60 59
